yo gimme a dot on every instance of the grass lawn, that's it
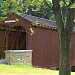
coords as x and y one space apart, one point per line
25 70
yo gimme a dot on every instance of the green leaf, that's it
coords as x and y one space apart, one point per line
72 6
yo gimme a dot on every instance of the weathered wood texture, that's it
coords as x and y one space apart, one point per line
10 40
45 46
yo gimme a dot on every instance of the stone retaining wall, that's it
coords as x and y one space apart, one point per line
18 57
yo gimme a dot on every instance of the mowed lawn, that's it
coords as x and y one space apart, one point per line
26 70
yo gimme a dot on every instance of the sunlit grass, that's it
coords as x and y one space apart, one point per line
26 70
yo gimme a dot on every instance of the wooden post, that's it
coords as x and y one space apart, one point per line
13 42
17 40
6 36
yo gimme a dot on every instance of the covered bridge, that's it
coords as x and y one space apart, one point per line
26 32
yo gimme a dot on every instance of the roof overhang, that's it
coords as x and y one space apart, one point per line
15 20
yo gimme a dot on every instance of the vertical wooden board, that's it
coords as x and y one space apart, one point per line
55 49
2 38
43 43
73 49
45 46
12 40
2 43
16 40
22 40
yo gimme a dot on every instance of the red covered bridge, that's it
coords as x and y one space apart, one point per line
34 33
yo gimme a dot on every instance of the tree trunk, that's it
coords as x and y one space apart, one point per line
64 30
65 53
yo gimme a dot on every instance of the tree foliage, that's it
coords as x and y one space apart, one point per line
7 6
40 8
32 7
63 11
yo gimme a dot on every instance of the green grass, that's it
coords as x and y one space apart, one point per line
25 70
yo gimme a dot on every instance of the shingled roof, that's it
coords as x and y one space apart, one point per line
39 20
47 23
36 21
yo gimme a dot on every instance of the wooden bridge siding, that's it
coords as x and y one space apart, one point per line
11 41
16 40
73 49
45 46
2 43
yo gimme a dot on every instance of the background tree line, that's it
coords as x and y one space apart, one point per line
61 11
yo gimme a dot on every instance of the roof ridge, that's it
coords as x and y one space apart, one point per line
45 23
38 17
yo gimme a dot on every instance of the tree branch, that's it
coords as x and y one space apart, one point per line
58 15
70 17
47 3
